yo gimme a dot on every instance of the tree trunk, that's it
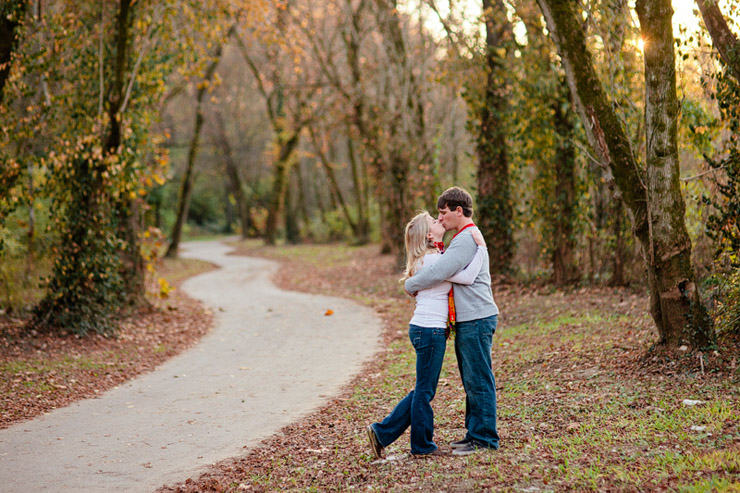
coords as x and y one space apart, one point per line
565 270
228 227
360 184
675 303
284 162
331 176
232 171
727 44
656 205
287 137
115 99
397 208
386 246
495 210
619 250
292 228
303 206
12 14
394 167
186 185
133 267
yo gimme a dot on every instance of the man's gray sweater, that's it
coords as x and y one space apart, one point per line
471 302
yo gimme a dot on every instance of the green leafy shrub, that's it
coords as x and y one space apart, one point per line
726 311
328 228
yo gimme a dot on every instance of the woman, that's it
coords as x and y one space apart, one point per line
427 334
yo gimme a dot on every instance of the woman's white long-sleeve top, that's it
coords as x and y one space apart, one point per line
431 304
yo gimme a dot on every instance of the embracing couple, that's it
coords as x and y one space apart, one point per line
435 278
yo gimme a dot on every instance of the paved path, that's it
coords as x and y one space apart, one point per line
272 358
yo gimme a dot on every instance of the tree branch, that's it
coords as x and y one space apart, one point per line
724 40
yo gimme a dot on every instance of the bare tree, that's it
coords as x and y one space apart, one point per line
186 183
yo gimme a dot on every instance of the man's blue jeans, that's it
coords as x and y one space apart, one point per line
473 342
415 409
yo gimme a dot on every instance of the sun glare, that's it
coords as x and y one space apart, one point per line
683 16
686 17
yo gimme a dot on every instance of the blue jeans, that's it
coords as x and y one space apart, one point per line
473 350
415 409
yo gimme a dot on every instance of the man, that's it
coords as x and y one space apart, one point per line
477 316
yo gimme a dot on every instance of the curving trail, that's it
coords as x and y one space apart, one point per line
272 357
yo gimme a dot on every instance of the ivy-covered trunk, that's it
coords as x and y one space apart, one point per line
395 193
85 285
564 268
494 206
286 153
11 19
12 14
674 296
653 198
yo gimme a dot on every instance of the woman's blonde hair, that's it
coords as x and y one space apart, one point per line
417 243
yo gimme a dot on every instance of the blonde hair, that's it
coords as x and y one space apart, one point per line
417 243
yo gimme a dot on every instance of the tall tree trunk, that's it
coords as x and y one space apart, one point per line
565 270
186 184
287 136
228 226
655 204
359 181
292 228
286 148
302 193
397 207
331 176
494 204
31 233
557 99
386 246
133 266
12 14
235 180
115 100
675 303
394 170
619 249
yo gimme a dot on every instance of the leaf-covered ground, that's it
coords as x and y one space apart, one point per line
40 372
585 401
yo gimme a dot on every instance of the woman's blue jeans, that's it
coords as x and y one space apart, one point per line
415 409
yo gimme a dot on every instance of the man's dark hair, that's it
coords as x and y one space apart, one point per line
456 197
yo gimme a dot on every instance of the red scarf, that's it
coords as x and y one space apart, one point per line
451 315
462 229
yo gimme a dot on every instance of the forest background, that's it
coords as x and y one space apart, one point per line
599 139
